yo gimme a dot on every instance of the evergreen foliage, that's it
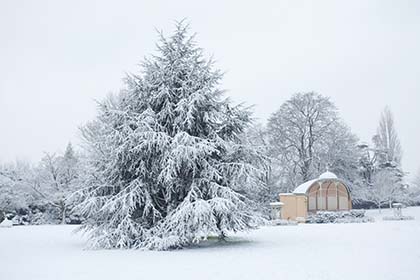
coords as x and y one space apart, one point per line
167 166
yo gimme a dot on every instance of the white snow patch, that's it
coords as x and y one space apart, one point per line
6 223
380 250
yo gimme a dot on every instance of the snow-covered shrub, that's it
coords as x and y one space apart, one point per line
280 222
398 218
351 219
38 214
33 215
358 213
74 219
352 216
167 164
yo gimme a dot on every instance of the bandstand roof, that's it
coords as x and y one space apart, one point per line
303 188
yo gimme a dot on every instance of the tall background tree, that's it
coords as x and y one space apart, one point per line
416 180
386 140
167 163
380 166
415 190
16 194
306 136
257 137
56 178
37 193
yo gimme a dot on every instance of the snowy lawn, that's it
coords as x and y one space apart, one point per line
381 250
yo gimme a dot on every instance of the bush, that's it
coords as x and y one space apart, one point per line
358 213
282 223
40 214
327 217
394 218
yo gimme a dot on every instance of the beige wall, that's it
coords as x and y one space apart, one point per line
294 208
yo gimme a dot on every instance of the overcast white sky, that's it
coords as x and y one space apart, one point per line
56 57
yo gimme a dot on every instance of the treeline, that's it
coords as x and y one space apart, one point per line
40 193
301 140
168 160
306 136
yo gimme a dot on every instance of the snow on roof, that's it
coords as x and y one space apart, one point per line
276 203
304 187
328 175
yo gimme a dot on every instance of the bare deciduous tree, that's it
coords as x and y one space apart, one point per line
56 179
47 183
307 135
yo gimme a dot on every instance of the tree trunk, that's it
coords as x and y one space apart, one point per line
63 217
390 204
2 216
222 236
63 212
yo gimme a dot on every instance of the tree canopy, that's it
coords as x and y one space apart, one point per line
167 164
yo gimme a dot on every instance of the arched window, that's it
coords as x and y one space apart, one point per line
331 195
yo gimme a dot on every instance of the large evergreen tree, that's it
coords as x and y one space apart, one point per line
166 163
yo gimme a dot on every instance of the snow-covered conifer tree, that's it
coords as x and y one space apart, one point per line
167 167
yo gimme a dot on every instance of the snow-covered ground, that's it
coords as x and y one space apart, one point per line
381 250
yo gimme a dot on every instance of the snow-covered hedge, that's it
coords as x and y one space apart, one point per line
279 222
40 215
352 216
394 218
